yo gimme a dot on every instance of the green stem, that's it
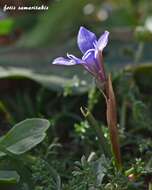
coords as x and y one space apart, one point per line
129 171
103 141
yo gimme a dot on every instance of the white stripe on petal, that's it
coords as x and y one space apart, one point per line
85 56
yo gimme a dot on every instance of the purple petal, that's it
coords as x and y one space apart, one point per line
103 40
93 65
86 39
64 61
70 60
74 58
87 54
90 62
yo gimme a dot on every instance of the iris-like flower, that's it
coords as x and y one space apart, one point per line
91 49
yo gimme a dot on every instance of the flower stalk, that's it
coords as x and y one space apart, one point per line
111 114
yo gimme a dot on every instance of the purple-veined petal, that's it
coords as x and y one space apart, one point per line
93 65
90 62
89 57
86 39
87 53
64 61
74 58
103 40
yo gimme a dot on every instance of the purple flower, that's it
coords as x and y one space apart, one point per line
92 53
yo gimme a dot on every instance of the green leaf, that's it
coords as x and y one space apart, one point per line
7 176
24 136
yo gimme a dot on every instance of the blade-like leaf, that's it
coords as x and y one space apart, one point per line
24 135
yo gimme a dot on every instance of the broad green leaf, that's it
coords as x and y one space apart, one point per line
7 177
36 66
76 80
24 136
